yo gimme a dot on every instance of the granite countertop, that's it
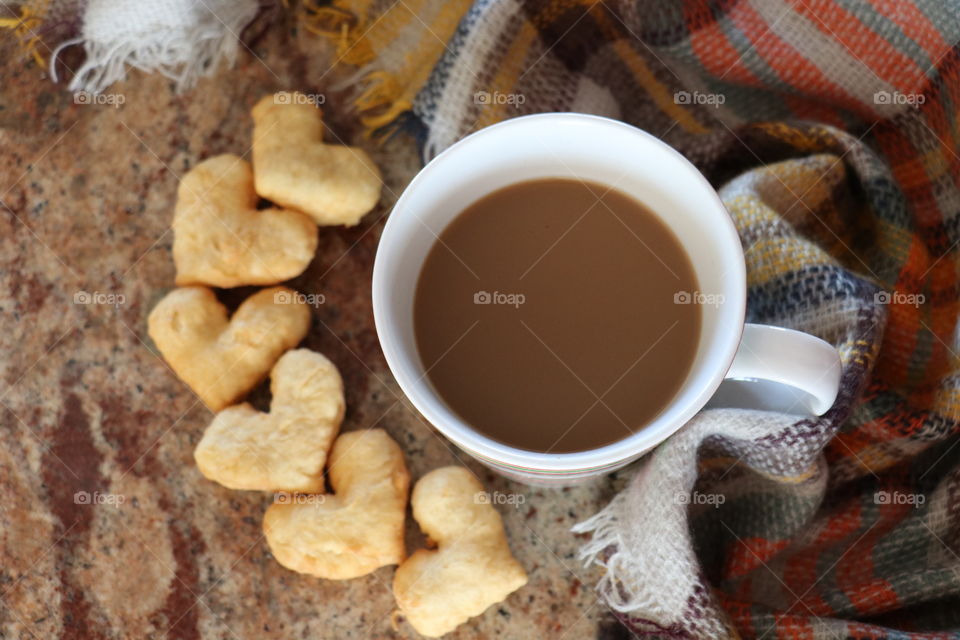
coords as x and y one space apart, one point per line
86 405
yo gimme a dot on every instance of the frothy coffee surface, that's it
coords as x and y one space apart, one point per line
557 316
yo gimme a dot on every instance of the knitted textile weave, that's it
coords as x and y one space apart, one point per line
831 130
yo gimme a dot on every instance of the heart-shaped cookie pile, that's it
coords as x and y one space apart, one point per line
223 239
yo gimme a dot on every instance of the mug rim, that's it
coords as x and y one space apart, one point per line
498 453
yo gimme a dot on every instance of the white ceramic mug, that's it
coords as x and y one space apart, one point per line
615 154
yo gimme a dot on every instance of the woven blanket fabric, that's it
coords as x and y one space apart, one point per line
830 128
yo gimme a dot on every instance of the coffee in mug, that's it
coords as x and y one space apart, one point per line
556 315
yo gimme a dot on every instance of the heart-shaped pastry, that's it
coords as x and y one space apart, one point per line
220 359
358 529
286 449
221 239
293 167
472 567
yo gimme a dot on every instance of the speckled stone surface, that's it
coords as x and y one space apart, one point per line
86 405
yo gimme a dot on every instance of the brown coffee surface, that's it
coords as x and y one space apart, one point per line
551 317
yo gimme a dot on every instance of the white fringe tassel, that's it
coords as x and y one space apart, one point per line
182 39
605 529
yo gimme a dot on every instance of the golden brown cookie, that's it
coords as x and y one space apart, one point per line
221 239
355 531
472 567
221 359
295 168
286 449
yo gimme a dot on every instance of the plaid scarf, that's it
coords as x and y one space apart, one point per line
830 129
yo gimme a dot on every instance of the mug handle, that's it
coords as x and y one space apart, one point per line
787 357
